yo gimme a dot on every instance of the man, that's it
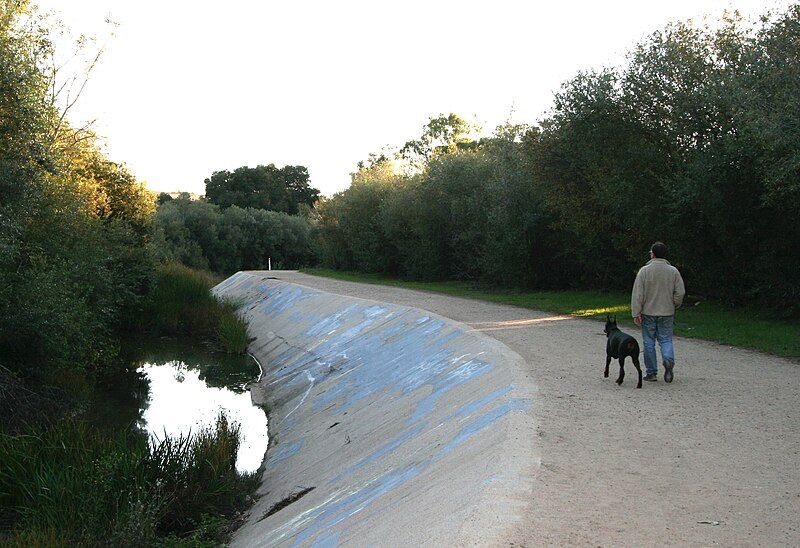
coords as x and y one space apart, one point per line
657 292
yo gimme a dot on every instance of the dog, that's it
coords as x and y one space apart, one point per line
621 345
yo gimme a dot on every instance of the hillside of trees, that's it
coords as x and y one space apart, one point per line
694 141
225 240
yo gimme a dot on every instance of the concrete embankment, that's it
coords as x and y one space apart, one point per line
391 425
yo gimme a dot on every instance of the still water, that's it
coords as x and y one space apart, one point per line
186 389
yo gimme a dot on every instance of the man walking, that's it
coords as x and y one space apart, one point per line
657 292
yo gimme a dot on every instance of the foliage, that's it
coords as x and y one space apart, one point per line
693 141
262 187
442 134
77 485
75 260
673 147
73 225
471 214
232 332
205 236
180 303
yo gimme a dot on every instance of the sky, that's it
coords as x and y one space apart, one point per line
186 88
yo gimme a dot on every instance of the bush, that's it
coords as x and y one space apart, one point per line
73 225
204 236
71 484
694 141
232 332
180 303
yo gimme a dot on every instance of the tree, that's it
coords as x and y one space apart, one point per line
73 225
262 187
203 235
441 135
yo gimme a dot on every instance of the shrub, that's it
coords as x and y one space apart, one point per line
180 303
232 332
202 235
71 484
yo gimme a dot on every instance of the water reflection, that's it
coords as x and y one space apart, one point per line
216 369
188 387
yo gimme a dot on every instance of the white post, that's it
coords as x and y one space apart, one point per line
269 263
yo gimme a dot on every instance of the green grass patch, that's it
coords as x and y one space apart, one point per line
180 303
75 485
743 327
231 331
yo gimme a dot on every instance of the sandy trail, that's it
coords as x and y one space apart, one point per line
647 467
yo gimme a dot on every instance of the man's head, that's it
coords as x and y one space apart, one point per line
659 250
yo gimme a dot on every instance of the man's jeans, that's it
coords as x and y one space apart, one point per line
657 328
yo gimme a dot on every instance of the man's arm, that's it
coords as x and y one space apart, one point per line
680 291
637 295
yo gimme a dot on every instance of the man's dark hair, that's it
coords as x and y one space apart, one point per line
659 249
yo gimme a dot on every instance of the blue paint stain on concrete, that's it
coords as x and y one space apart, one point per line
392 367
491 480
473 406
464 373
487 419
325 324
358 352
222 286
280 299
326 541
384 450
338 510
284 451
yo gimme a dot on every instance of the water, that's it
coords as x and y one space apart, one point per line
179 388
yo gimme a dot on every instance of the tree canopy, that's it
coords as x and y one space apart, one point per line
74 226
693 141
262 187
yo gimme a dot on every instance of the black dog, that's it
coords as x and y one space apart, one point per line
621 345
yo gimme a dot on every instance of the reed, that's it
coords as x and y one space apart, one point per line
180 303
72 484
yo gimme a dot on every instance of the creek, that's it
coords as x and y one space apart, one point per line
175 388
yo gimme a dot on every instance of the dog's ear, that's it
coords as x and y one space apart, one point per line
614 319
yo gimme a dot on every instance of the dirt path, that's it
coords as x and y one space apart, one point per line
647 467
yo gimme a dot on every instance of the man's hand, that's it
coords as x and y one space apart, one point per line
638 320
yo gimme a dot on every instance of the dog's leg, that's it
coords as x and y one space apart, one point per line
608 361
621 369
638 369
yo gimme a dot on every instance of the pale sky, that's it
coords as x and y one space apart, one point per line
186 88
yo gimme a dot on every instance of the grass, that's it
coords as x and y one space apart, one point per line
70 484
68 479
180 303
743 327
232 331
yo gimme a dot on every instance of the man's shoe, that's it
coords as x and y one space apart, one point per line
652 377
668 371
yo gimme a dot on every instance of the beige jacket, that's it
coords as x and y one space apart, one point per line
658 289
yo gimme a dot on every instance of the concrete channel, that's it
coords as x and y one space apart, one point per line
389 425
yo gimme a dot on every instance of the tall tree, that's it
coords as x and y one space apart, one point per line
441 135
73 226
262 187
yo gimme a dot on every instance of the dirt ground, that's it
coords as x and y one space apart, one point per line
711 459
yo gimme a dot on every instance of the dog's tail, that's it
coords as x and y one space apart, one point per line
632 345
